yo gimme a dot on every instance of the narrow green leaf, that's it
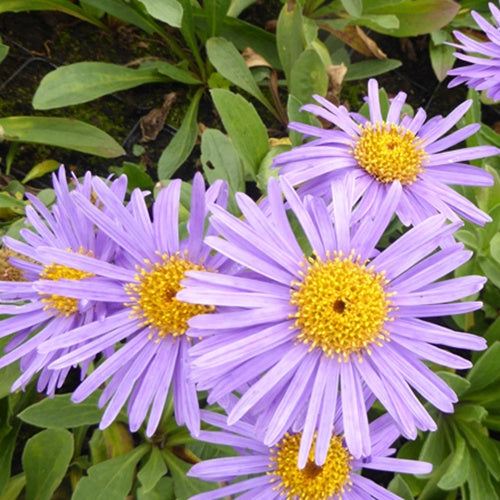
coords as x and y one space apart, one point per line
181 145
308 77
4 50
221 161
60 411
216 12
479 481
289 36
369 68
152 471
59 5
14 488
173 72
9 201
110 480
244 126
46 458
60 132
7 447
379 21
415 18
458 470
238 6
184 487
353 7
231 65
485 372
399 487
167 11
85 81
40 169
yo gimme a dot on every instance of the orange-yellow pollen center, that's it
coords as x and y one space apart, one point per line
153 296
64 306
313 482
389 152
342 305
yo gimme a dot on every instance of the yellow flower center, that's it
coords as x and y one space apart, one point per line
388 152
153 296
64 306
342 305
313 482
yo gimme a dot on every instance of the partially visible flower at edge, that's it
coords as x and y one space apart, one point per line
483 72
274 470
381 150
33 316
150 320
301 329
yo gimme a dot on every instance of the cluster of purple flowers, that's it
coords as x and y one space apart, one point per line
292 317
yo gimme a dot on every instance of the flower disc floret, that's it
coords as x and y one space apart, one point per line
342 305
153 295
389 152
64 306
313 482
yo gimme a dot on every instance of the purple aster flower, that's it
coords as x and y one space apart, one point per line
300 328
36 317
379 151
483 70
274 470
150 320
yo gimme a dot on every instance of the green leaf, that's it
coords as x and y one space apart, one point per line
479 481
353 7
442 58
60 411
216 12
164 490
369 68
4 50
491 269
457 383
60 132
152 471
167 11
9 373
46 458
184 487
399 487
295 115
173 72
85 81
379 21
457 472
63 6
289 36
485 372
470 413
7 447
110 480
41 169
231 65
244 126
14 488
181 145
416 17
435 448
221 161
308 77
137 176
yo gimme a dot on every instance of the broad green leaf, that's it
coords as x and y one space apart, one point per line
308 76
289 36
457 383
60 411
137 176
378 21
416 17
41 169
244 126
216 12
9 201
152 471
442 58
457 472
14 488
61 132
46 458
11 372
491 269
485 372
7 447
110 480
435 448
4 50
184 487
167 11
85 81
399 487
479 481
231 65
59 5
296 115
181 145
164 490
353 7
221 161
470 413
369 68
489 452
